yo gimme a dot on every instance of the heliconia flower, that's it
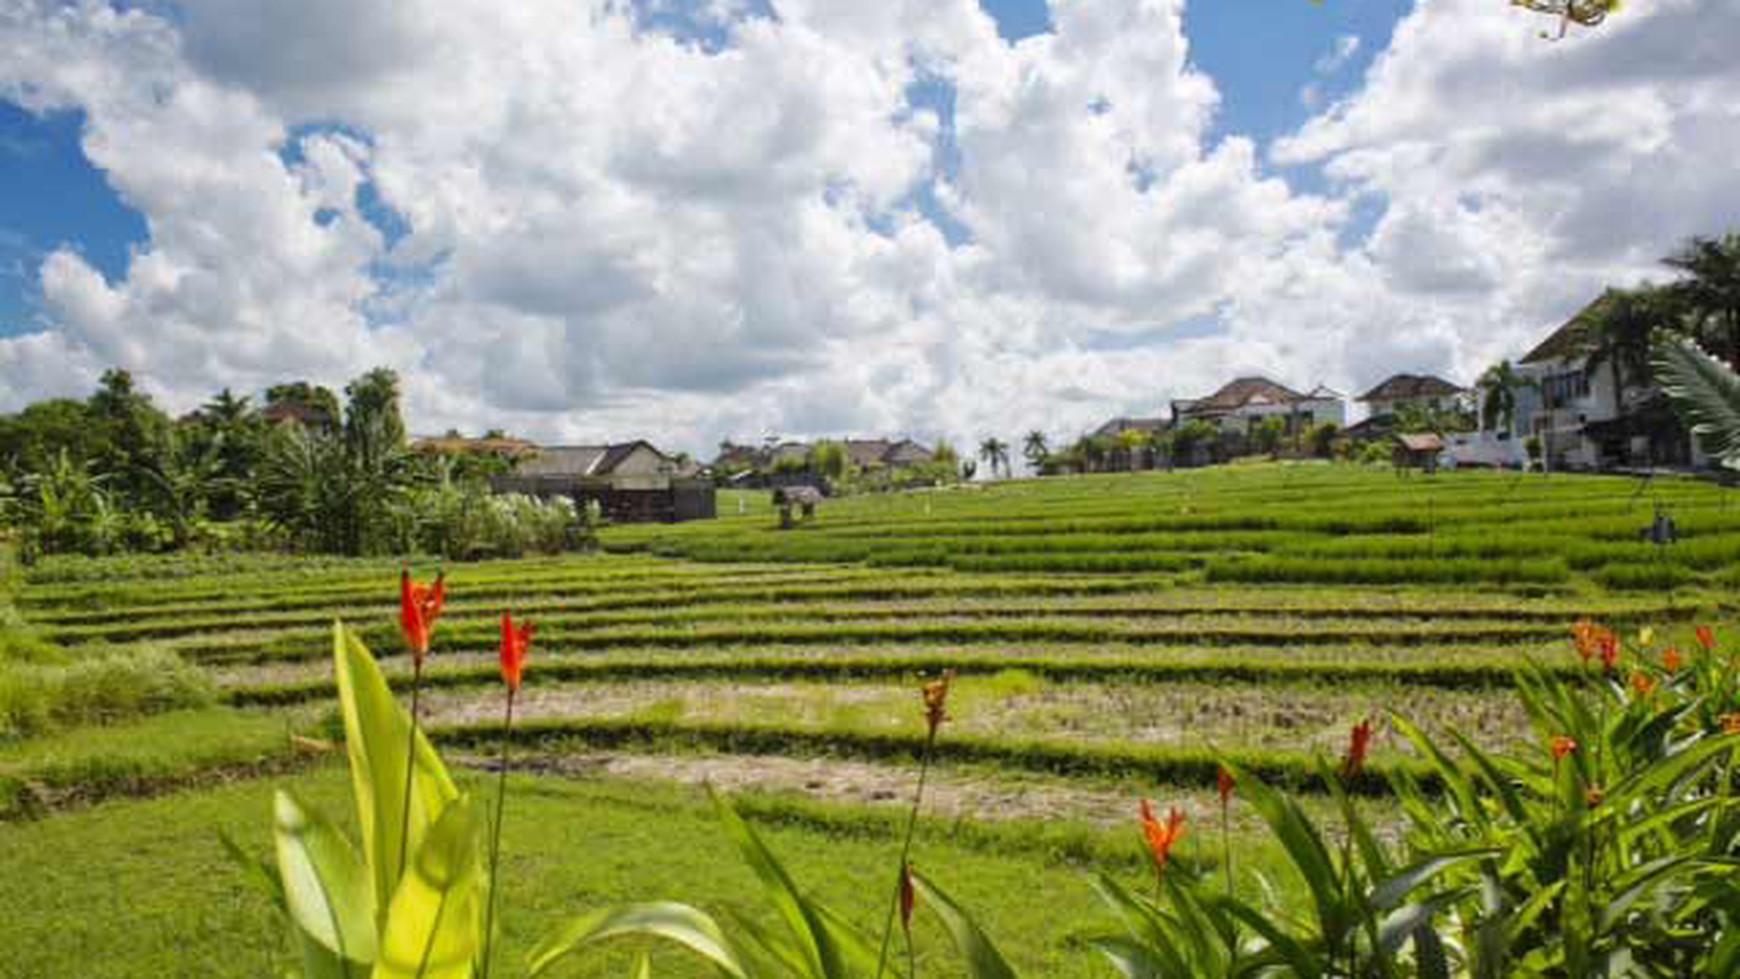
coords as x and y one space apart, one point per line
1730 723
1609 643
516 645
1583 636
1646 637
1224 781
1562 746
1161 837
1358 746
1642 683
1706 637
419 607
908 898
936 699
1671 660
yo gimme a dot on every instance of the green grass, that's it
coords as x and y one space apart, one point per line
144 888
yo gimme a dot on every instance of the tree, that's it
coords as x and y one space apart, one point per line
994 452
1710 292
1132 441
1615 331
1705 392
1498 388
372 421
829 459
1035 449
318 405
1193 435
1266 436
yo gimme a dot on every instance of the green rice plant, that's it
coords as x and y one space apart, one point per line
1650 576
99 689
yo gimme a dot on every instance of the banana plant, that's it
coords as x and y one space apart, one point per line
357 913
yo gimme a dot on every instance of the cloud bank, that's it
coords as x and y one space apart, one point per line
579 221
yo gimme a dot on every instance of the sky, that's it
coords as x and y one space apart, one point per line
693 220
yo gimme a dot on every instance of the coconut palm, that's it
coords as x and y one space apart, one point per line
1615 331
1498 388
995 454
1710 293
1705 392
1035 449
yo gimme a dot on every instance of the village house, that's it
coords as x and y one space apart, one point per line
1118 426
1241 405
787 463
629 481
1424 392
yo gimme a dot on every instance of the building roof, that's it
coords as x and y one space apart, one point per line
581 460
1117 425
292 411
1566 341
458 444
1400 387
1240 392
1421 442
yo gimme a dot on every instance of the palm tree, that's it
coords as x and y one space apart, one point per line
995 453
1035 449
1711 291
1705 392
1498 388
1616 331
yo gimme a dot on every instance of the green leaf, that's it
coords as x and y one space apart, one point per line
643 968
1704 392
980 955
671 922
814 944
377 734
435 922
1131 958
1391 891
326 891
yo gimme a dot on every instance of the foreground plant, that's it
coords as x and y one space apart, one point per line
516 645
419 606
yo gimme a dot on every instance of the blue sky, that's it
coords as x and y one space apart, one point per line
1260 53
574 228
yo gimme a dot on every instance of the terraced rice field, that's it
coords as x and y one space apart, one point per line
1113 635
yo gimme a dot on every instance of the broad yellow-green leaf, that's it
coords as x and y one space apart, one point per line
377 733
677 923
978 953
434 925
326 891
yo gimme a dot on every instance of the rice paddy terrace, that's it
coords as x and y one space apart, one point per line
1113 636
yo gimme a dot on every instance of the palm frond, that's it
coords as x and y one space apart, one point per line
1705 392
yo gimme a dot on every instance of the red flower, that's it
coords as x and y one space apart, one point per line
1671 660
1224 781
1162 837
1587 637
1706 637
1562 745
936 699
419 607
1609 642
1358 746
516 644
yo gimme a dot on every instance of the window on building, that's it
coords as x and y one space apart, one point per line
1559 390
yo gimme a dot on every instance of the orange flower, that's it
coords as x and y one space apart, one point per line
419 607
1706 637
1562 746
1642 683
936 698
516 645
1671 660
1730 723
1162 837
1358 746
1224 781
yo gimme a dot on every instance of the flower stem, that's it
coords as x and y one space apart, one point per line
410 765
495 834
1226 858
905 853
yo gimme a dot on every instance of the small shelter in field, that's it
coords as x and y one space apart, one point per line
630 481
803 498
1417 450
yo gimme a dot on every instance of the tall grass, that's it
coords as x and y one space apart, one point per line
36 698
